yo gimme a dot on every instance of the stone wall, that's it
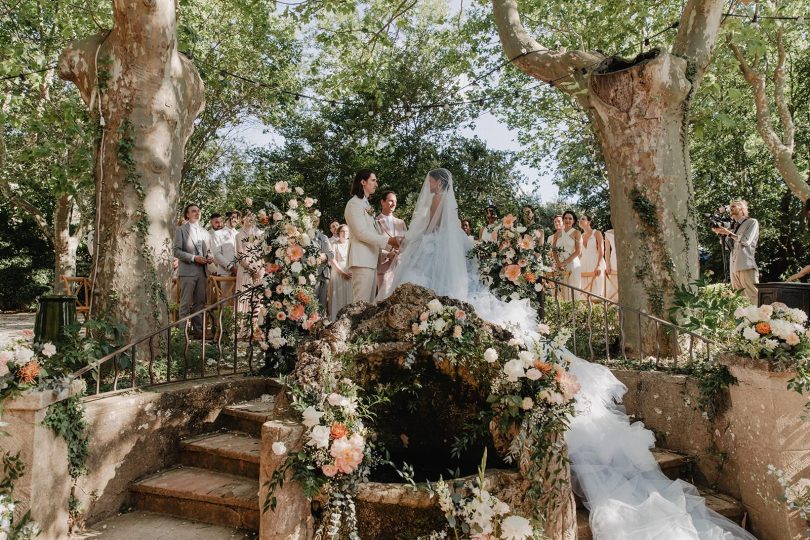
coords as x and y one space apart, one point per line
134 434
761 426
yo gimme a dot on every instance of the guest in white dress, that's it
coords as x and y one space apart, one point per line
250 270
340 284
611 277
592 260
566 249
489 232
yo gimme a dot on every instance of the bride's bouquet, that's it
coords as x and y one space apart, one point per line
513 265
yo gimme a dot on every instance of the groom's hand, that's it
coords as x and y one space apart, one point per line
393 242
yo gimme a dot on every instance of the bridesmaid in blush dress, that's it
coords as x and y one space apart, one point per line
593 262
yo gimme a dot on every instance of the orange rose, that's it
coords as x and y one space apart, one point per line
512 272
763 328
509 221
29 372
297 312
302 297
272 268
294 252
460 315
530 277
338 430
545 367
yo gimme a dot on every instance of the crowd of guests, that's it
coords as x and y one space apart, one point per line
228 247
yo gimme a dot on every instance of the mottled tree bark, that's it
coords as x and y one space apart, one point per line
639 110
146 96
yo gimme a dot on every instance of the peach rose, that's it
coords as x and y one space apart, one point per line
512 272
792 339
545 367
338 430
302 297
348 453
763 328
281 316
526 242
329 470
460 314
294 252
272 268
509 221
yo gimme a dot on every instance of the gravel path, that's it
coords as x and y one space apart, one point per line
11 324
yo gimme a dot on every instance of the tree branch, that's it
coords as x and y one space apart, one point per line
779 94
781 153
16 200
537 61
697 34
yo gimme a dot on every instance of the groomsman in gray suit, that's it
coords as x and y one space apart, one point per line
191 249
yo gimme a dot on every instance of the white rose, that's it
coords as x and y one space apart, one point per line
296 267
293 204
533 374
292 214
23 355
543 329
514 370
435 306
311 260
527 403
312 279
750 334
301 281
312 416
299 190
439 325
792 339
305 240
423 326
526 357
490 355
48 350
277 216
308 202
516 528
765 311
282 187
279 448
319 437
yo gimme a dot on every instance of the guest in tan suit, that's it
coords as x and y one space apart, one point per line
394 227
367 241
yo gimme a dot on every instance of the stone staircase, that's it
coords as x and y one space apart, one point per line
675 466
217 479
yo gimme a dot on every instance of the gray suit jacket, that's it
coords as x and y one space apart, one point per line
743 248
323 243
185 250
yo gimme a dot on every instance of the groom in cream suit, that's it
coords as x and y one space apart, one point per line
367 240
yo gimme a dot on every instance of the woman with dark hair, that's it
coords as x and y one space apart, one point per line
566 248
593 262
489 232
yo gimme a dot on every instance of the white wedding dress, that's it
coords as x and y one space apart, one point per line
628 496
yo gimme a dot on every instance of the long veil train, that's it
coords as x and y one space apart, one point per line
615 472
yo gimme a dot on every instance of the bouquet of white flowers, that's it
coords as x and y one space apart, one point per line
772 331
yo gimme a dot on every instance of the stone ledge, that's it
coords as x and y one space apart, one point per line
759 364
35 400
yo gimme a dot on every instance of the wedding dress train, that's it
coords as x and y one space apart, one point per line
628 496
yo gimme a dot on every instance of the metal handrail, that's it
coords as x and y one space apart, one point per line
576 294
132 347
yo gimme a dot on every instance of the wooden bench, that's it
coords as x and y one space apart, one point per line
80 288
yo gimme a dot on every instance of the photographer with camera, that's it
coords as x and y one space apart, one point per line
741 240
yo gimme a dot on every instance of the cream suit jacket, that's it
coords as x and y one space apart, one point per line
365 243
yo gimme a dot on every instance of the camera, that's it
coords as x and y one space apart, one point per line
720 217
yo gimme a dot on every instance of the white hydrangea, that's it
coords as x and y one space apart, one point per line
516 528
490 355
435 306
514 370
750 334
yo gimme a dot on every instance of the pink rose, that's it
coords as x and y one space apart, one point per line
329 470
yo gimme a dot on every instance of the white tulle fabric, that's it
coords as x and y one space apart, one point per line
628 496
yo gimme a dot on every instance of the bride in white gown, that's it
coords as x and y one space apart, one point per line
628 496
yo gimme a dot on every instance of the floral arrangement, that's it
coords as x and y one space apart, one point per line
336 454
289 307
479 515
445 329
24 366
513 266
772 331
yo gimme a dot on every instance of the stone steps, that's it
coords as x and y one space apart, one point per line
200 494
140 524
230 452
217 481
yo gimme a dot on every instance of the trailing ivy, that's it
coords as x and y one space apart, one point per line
66 419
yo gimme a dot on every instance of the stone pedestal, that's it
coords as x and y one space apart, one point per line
292 518
765 421
45 487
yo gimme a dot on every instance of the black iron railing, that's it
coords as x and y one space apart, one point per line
170 354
